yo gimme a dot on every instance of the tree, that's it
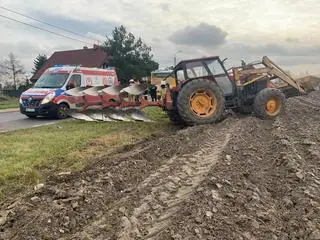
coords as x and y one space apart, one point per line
13 68
39 62
130 56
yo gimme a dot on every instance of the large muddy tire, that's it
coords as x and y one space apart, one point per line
200 101
269 103
175 117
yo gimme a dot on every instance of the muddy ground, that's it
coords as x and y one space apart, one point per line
243 178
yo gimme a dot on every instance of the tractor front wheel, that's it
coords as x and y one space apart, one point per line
200 101
269 103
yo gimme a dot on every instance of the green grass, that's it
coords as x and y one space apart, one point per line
25 155
8 102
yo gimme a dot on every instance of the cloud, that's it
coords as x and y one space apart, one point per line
165 7
100 27
156 40
26 51
292 40
204 35
290 61
273 49
169 26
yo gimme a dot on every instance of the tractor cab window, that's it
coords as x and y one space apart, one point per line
220 76
215 67
180 75
196 69
75 81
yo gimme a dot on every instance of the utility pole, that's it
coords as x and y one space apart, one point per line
175 58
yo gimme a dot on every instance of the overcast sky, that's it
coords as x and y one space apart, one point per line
288 31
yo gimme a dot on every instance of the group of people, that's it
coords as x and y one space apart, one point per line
156 93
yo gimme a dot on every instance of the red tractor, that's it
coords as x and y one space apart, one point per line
204 90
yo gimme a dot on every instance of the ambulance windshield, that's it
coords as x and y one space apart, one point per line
52 80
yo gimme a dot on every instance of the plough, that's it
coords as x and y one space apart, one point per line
108 104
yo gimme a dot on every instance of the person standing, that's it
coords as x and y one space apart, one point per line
131 97
153 92
163 89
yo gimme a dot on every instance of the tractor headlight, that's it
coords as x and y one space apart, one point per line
48 98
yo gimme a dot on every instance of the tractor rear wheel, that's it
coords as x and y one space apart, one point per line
175 117
200 101
269 103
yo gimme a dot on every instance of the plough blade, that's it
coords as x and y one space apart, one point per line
114 90
117 115
76 92
137 115
110 114
98 115
110 99
93 91
134 89
80 116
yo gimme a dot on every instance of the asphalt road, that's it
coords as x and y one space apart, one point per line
10 121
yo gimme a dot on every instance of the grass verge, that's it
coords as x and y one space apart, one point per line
25 155
8 102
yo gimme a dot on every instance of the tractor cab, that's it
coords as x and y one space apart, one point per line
211 68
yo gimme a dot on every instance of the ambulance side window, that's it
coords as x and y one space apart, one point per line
75 81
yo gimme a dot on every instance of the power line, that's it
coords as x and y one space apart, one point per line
49 24
58 34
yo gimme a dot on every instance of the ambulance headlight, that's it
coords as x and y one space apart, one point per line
48 98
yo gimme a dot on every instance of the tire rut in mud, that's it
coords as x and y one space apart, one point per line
147 209
170 186
90 204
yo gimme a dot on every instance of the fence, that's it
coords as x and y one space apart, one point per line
11 93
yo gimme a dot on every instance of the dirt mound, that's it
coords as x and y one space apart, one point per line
243 178
266 184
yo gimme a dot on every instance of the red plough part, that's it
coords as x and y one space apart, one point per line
108 104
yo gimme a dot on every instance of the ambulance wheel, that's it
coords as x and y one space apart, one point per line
62 111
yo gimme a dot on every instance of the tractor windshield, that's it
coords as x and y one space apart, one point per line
196 69
215 67
52 80
210 67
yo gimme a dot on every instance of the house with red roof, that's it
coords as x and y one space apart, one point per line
87 57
